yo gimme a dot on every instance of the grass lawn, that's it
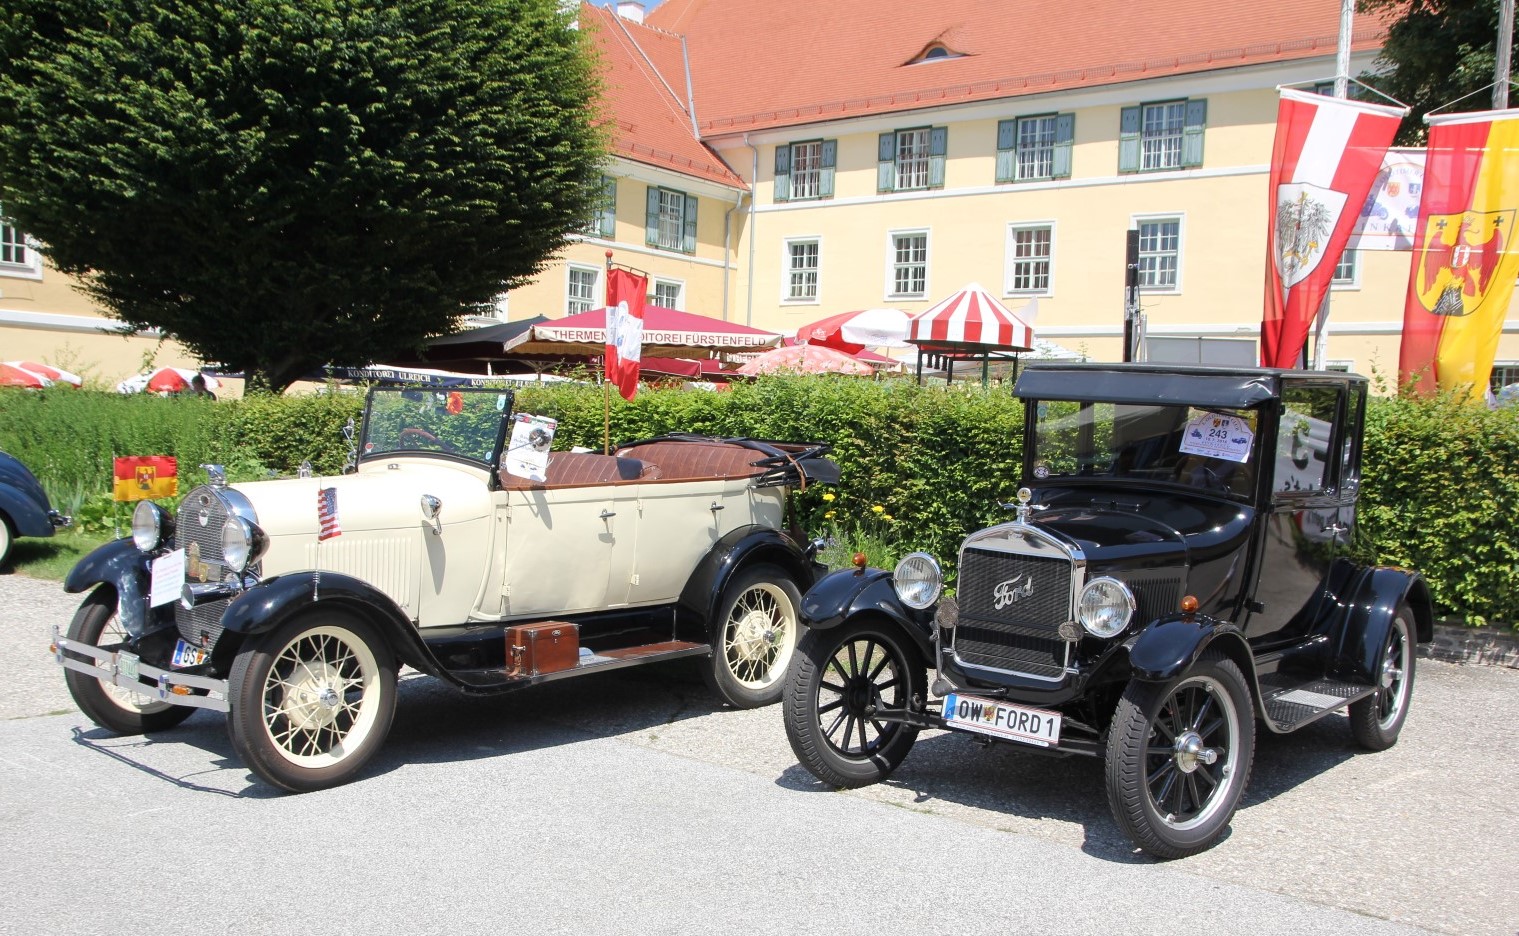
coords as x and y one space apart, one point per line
52 557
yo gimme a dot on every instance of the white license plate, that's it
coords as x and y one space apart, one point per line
187 655
126 664
1001 720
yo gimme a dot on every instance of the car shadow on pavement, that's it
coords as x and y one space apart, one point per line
205 731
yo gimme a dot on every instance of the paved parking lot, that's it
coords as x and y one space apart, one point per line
632 803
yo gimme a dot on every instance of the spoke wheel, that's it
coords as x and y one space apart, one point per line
754 637
840 684
1178 757
1376 721
312 701
108 705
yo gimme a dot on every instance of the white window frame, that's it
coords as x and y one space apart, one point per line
679 286
672 220
911 164
30 261
893 264
1034 148
1162 127
806 171
570 297
1011 260
1504 373
791 272
1353 281
1138 222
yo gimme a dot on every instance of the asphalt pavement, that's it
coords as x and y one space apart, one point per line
632 803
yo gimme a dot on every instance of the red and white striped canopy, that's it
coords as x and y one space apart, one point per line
972 316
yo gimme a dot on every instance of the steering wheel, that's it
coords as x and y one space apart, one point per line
411 436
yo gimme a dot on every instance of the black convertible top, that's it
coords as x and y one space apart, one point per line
1182 384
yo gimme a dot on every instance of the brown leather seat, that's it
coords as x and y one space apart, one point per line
583 469
687 461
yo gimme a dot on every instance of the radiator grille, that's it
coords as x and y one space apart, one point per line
1020 636
198 531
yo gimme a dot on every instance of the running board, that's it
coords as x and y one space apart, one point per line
1290 705
497 680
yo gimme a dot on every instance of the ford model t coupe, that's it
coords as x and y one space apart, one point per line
1175 574
290 604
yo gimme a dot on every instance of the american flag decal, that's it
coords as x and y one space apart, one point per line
327 514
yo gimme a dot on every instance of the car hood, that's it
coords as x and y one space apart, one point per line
379 499
1125 530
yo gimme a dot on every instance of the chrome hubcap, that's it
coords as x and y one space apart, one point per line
1190 752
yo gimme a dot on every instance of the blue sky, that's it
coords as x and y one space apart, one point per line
647 4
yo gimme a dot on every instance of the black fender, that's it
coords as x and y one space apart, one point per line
736 550
840 596
27 517
277 599
125 568
1367 617
1168 647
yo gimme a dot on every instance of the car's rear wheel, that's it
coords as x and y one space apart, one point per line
753 637
108 705
840 682
1178 757
312 700
1376 720
6 538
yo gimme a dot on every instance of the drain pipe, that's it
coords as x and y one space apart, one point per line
738 200
753 181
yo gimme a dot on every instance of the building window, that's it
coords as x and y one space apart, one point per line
604 222
1161 136
580 295
909 265
1504 374
802 258
13 250
912 160
1347 272
805 170
1159 253
1029 250
667 293
670 223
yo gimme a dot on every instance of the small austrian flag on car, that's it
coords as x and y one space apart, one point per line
327 514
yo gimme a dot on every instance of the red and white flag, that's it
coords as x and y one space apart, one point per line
1327 154
327 514
625 301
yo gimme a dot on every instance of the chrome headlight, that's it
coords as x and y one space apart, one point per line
917 580
1105 607
243 543
151 526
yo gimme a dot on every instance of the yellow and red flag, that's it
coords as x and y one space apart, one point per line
142 477
1465 255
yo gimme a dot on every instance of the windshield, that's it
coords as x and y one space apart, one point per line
1205 448
465 423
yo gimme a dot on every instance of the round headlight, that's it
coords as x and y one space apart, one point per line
1105 607
151 525
243 543
918 580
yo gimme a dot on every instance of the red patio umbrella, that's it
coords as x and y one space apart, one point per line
805 359
970 319
855 331
164 380
13 376
55 374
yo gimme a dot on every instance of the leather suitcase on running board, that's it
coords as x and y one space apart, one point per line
547 647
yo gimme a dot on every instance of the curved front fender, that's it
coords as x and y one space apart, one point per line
124 567
704 589
28 517
841 595
1168 647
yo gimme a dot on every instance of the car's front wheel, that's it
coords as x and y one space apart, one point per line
753 637
1179 756
312 700
1376 720
838 687
108 705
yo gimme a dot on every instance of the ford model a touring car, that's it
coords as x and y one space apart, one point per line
1176 573
290 604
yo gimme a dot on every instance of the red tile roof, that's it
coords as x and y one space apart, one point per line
643 75
784 62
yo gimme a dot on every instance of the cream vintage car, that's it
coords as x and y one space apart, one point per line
290 604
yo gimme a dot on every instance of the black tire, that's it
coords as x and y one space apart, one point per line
106 704
839 679
754 636
1376 720
312 700
1165 793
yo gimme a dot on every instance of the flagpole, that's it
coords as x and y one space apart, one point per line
1341 90
1505 44
606 385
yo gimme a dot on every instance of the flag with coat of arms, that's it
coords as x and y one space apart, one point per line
144 477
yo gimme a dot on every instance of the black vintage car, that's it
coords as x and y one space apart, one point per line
1176 573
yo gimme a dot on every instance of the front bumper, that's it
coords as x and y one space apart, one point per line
126 671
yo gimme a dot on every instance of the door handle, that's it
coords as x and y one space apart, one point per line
608 514
716 507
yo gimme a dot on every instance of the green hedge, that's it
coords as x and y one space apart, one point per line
920 466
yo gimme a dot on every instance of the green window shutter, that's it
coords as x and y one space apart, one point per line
608 215
938 145
782 173
1128 139
1065 134
689 242
1192 133
651 219
886 162
829 156
1007 142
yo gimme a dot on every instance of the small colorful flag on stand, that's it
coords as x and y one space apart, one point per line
143 477
327 514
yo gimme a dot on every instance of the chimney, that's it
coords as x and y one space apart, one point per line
630 10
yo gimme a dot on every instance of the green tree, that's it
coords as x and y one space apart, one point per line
280 184
1436 52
